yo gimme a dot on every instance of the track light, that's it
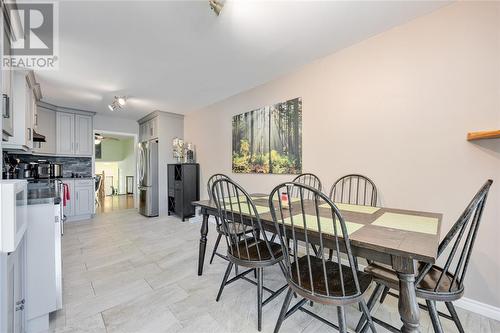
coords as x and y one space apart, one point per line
216 6
117 103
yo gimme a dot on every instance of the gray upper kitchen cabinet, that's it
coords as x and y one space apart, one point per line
46 125
6 80
74 134
83 135
65 133
148 129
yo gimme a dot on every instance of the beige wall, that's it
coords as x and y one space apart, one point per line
397 108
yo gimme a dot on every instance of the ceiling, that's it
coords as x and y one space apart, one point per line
178 56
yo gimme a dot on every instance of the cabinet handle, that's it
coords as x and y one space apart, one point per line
20 308
6 106
20 302
36 119
29 133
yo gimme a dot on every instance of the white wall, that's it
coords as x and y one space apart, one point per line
397 108
115 124
169 126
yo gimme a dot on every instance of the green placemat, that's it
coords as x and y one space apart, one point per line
353 208
326 224
245 208
426 225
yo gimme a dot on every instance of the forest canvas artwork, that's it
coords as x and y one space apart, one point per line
269 139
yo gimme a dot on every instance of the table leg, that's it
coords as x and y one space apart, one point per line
203 243
407 306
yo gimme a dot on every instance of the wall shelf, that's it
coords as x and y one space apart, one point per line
479 135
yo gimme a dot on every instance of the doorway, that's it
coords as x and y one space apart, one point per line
115 170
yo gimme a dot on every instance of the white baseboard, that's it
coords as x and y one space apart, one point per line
483 309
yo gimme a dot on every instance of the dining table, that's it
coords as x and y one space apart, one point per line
396 237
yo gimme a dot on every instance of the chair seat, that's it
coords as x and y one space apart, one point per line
234 229
386 274
257 250
318 284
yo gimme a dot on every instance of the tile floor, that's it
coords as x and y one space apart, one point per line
127 273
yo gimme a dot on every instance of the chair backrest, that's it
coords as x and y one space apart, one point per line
467 225
354 189
212 180
319 221
240 220
308 179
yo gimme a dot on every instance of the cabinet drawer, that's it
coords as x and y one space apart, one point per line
84 182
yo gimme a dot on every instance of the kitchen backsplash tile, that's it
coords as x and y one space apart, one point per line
78 165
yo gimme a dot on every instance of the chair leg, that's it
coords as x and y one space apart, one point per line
436 323
384 294
224 280
341 316
284 309
215 248
366 312
371 303
260 277
454 315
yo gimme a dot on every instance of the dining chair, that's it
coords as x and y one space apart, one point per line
354 189
435 283
310 276
219 228
247 243
308 179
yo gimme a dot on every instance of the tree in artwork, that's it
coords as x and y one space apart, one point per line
269 139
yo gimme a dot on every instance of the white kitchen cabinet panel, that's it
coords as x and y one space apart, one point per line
12 289
65 133
41 293
83 135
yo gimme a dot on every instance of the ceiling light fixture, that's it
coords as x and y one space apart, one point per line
117 103
216 6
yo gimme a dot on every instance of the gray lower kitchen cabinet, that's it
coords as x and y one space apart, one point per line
82 199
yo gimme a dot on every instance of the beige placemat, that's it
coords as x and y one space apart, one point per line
326 224
426 225
245 208
243 198
353 208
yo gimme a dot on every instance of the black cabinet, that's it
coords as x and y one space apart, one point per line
183 188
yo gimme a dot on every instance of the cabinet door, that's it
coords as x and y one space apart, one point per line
7 78
153 124
65 133
46 125
83 135
16 279
84 203
69 210
29 100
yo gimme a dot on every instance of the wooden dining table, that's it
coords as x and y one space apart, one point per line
396 237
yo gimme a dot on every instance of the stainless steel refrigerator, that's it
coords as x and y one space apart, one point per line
147 166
